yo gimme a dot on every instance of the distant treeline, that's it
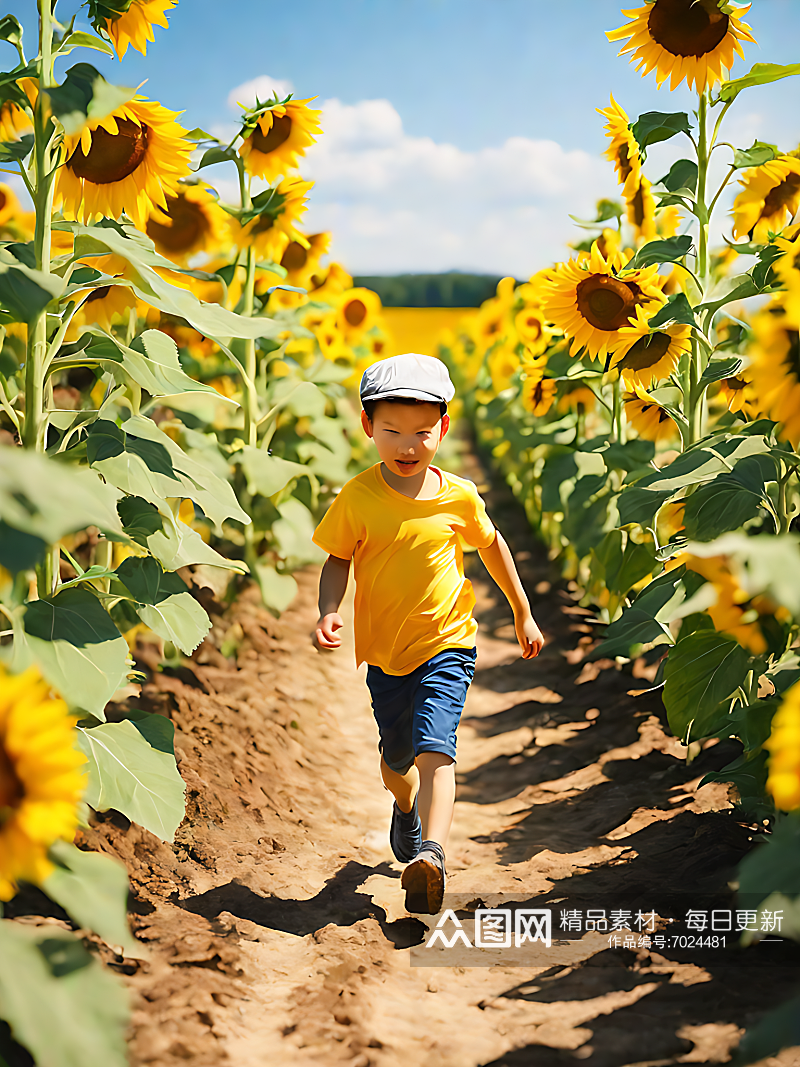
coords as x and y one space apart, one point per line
450 290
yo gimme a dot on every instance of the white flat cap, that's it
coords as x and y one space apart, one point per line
410 375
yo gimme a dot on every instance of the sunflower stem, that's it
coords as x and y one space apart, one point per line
616 411
784 519
34 426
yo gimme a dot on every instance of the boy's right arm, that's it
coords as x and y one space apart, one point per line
332 587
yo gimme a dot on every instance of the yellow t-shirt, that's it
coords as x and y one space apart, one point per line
412 599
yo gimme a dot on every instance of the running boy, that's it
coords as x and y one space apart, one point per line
403 523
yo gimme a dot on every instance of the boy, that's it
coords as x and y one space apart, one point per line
403 522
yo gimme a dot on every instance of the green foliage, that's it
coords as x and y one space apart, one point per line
451 289
87 1008
93 889
703 671
163 602
759 74
130 774
655 126
85 95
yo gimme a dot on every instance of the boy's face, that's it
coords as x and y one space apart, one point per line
406 435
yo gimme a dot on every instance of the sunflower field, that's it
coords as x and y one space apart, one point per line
173 411
642 400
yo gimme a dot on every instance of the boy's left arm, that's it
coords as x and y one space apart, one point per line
499 563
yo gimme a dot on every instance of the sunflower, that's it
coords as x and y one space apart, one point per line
358 312
769 193
787 269
592 298
538 393
532 330
329 284
131 23
278 137
623 151
775 369
736 394
14 121
503 363
692 39
641 209
580 399
128 161
783 745
646 415
191 223
330 340
272 230
644 356
40 779
301 262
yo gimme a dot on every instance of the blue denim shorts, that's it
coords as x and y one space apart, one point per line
419 712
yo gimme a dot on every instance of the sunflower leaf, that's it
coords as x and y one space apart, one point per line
87 1006
164 603
756 155
677 309
667 250
83 40
216 155
16 151
24 293
85 94
702 672
717 369
682 177
129 774
655 126
10 30
759 74
93 890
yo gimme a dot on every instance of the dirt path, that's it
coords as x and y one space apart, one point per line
276 924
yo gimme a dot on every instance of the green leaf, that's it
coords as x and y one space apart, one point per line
77 647
774 866
766 564
785 672
717 369
655 126
722 505
84 95
140 518
87 1006
704 461
779 1029
727 291
93 890
151 361
677 309
606 209
702 672
10 30
128 774
682 176
216 155
638 504
277 590
19 551
177 545
80 39
25 293
759 74
630 456
762 273
756 155
751 723
664 250
164 602
143 461
293 531
267 474
16 151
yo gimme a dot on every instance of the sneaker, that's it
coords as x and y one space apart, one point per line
423 880
405 835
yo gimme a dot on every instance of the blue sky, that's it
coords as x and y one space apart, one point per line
460 133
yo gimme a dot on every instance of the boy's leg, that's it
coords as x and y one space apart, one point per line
403 787
437 795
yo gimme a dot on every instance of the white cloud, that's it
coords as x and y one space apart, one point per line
400 203
262 87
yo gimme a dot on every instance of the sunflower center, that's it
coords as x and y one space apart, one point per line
189 225
295 256
265 222
3 200
606 303
735 384
637 204
11 788
646 352
782 196
625 165
113 156
687 27
278 133
355 312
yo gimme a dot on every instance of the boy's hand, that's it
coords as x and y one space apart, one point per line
325 636
529 635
